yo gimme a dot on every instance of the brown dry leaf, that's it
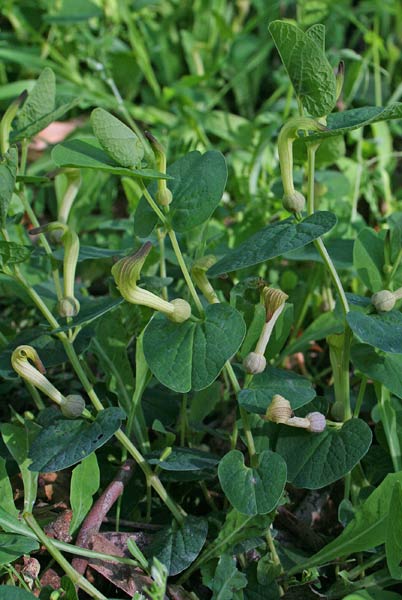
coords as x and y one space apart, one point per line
176 592
30 570
125 577
51 578
60 528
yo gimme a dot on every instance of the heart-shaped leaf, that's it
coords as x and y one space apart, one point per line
197 188
311 74
274 240
385 368
41 99
191 355
382 331
318 459
256 398
177 546
87 153
67 442
253 490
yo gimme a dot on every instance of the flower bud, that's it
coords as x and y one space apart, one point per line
317 422
72 406
340 76
383 301
279 411
254 363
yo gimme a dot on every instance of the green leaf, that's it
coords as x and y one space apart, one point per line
185 459
191 355
8 174
253 490
6 491
393 538
382 331
18 439
274 240
91 309
366 531
341 122
323 325
118 140
177 546
315 460
85 481
256 398
12 546
73 11
236 529
14 593
110 346
87 153
41 100
12 253
227 579
307 66
197 186
41 107
67 442
385 368
368 258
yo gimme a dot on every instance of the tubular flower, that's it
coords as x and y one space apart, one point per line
280 411
6 121
68 306
274 301
71 406
126 273
163 195
293 200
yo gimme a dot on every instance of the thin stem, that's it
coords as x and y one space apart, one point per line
162 262
394 269
35 396
153 204
360 396
243 415
318 242
75 577
184 270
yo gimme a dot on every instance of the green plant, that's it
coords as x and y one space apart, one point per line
151 335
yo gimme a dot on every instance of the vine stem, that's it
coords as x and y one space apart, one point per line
151 478
319 244
176 249
75 577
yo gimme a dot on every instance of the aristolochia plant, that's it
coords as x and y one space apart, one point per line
214 342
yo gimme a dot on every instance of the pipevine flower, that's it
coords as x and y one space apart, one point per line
68 306
198 272
163 195
293 201
71 406
274 301
126 273
280 411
